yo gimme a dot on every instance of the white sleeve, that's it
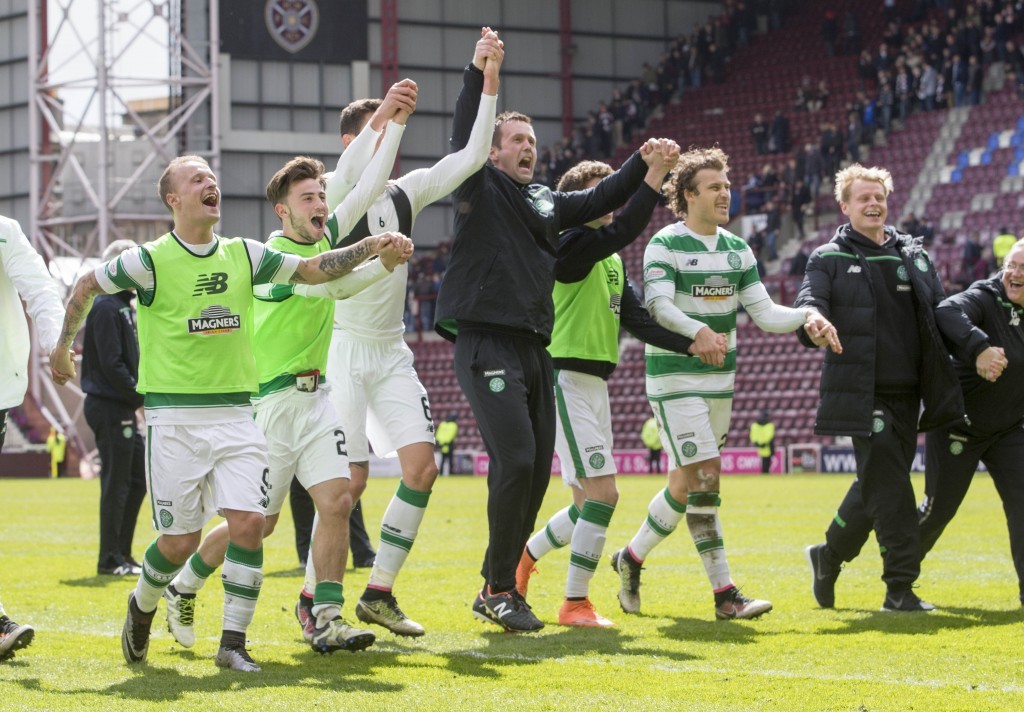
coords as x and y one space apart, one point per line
768 315
270 265
668 315
126 271
660 291
371 182
351 164
28 273
344 287
428 185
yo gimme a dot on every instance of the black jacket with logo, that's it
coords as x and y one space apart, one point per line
502 267
845 295
979 317
110 351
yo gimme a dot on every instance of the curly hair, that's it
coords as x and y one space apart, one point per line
577 177
846 177
684 177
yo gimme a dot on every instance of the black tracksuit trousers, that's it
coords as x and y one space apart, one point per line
122 451
882 496
950 466
509 382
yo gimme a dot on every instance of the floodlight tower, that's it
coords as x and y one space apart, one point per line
117 88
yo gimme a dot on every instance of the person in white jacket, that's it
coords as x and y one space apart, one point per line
23 275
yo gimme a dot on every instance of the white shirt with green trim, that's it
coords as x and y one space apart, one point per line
376 313
692 281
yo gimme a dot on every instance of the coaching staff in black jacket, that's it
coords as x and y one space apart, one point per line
110 371
879 289
989 340
496 298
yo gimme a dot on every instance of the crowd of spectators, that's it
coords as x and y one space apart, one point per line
689 62
935 56
938 55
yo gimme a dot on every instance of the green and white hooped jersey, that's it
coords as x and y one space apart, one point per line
293 334
195 323
707 277
587 314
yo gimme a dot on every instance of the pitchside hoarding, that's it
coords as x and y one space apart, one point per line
735 461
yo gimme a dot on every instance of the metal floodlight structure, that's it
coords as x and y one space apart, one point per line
90 61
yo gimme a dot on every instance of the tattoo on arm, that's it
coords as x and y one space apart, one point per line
335 263
78 307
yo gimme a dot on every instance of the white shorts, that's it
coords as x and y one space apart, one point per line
195 471
583 434
305 440
693 429
378 396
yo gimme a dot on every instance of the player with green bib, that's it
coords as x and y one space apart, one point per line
304 435
205 453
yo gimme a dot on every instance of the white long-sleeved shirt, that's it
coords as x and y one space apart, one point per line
23 272
692 281
376 312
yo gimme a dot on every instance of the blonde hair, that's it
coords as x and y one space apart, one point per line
164 186
846 177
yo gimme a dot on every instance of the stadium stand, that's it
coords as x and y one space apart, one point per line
960 169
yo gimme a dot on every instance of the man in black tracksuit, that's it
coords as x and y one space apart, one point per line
110 370
879 289
989 340
496 299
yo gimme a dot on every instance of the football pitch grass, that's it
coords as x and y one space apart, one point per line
966 656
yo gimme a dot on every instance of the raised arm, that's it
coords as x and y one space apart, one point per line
428 185
370 184
580 207
398 104
580 250
475 81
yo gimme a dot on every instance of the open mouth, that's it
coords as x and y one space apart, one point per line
318 222
873 214
526 163
211 200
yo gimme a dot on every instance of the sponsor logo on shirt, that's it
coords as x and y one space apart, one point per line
713 289
854 269
214 320
213 283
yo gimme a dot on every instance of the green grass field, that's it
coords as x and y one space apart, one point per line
674 656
